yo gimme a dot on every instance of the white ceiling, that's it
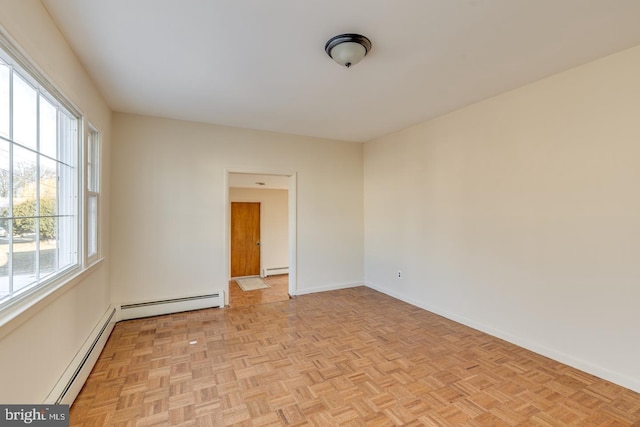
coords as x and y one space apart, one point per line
261 64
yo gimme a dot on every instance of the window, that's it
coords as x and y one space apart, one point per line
39 183
93 193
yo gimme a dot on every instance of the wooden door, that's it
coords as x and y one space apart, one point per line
245 239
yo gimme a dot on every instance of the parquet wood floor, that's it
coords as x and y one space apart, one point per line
278 291
352 357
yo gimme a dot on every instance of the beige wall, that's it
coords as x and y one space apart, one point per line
169 208
520 216
274 223
37 346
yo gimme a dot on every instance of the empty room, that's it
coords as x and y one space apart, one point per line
358 213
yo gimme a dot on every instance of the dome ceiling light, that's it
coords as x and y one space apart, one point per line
348 49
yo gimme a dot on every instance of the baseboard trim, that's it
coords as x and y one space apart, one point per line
328 288
598 371
74 377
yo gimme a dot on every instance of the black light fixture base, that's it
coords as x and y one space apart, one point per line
348 37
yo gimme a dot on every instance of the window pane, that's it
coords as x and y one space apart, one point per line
5 75
67 223
24 188
48 220
4 180
90 185
67 242
48 127
4 257
48 186
93 165
68 201
92 225
24 256
68 139
24 223
5 223
25 104
48 246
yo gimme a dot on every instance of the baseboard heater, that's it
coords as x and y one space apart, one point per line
174 305
275 270
73 378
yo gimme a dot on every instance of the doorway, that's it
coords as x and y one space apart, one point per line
261 227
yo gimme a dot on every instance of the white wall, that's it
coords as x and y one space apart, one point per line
169 205
274 223
520 215
37 346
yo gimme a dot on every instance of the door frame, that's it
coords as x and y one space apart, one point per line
293 215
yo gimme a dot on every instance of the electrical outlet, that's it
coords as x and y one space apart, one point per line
399 274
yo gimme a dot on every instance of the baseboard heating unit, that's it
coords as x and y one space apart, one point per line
174 305
274 271
73 378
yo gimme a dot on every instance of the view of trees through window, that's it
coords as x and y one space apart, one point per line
38 183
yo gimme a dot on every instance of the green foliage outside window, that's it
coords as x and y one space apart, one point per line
24 221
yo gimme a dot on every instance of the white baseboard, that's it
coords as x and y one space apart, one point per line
614 377
328 288
166 306
73 378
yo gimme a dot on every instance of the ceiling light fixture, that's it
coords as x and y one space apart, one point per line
348 49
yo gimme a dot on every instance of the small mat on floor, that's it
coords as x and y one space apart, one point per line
251 284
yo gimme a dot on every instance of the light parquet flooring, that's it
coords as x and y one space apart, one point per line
278 291
352 357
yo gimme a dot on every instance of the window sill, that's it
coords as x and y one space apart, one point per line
16 313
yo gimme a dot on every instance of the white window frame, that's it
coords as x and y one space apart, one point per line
21 301
92 191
